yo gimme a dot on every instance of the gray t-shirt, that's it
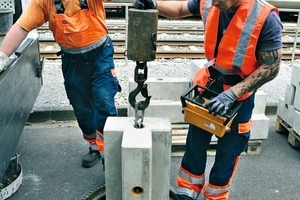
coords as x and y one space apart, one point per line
270 36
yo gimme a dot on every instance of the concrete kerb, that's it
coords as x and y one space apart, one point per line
66 113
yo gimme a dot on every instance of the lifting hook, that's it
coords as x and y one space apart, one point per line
144 91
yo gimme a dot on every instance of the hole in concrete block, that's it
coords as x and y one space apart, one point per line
137 191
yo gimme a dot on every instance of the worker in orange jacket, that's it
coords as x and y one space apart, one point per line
243 47
88 68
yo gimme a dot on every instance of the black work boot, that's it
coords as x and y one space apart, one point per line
91 158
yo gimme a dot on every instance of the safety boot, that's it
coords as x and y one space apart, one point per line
91 158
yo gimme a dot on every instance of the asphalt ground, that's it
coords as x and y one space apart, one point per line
51 154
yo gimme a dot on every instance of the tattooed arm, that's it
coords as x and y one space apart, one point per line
270 63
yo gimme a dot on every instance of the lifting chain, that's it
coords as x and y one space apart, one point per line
140 76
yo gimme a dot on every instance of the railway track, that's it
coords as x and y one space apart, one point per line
174 40
165 49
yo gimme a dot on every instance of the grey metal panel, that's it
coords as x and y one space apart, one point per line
19 88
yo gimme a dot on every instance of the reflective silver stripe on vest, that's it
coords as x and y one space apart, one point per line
211 190
84 49
193 180
226 71
187 192
246 33
205 11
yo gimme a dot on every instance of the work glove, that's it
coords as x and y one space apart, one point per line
144 4
3 61
220 104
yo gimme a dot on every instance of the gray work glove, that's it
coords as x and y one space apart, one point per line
220 104
144 4
3 61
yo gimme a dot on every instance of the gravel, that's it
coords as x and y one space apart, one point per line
52 94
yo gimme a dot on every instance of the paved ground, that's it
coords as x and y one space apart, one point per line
51 154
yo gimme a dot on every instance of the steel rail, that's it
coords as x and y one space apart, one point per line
170 48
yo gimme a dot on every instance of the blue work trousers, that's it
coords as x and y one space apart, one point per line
228 148
91 86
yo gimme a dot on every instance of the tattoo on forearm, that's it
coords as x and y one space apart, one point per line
269 57
269 69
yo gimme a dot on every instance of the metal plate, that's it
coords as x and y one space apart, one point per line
21 87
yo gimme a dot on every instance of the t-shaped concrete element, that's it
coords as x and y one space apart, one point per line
137 161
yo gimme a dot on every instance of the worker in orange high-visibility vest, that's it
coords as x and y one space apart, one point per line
88 68
243 47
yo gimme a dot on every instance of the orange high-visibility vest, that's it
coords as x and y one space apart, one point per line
79 30
236 50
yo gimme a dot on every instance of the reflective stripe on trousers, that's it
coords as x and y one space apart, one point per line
214 192
189 184
228 150
97 139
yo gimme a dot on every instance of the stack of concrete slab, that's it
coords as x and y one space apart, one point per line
165 98
288 110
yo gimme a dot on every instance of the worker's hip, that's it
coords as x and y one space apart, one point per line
90 53
233 142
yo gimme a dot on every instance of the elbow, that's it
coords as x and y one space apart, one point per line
274 72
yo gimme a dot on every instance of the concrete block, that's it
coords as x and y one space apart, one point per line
297 99
162 108
296 121
136 164
284 111
260 129
161 131
163 88
285 107
173 109
165 98
113 162
260 102
261 126
296 103
289 95
196 65
295 81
